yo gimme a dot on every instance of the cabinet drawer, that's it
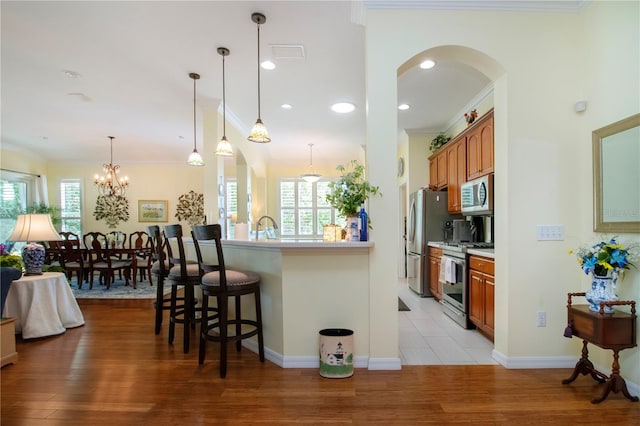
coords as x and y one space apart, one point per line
481 264
435 252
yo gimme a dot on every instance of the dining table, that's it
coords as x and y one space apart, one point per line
43 305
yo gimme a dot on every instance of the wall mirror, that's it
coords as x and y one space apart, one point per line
616 175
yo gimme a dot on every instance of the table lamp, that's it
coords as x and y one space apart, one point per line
30 228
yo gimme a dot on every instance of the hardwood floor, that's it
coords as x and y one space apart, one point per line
115 371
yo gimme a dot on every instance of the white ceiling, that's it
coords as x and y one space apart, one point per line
134 58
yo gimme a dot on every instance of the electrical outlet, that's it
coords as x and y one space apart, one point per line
550 232
542 319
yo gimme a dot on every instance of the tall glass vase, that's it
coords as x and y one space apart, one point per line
602 290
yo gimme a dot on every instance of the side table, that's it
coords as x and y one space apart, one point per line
8 341
616 331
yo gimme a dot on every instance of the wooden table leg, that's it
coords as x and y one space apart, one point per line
615 383
584 366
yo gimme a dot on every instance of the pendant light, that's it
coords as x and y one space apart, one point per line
311 176
194 159
224 147
259 132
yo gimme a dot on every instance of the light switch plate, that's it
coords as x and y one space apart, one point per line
550 232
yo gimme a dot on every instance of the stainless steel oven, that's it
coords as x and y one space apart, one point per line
453 277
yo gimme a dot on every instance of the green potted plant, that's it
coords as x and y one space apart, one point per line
438 142
8 260
350 190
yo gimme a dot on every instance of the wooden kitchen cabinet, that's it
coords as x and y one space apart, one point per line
456 172
481 294
438 170
434 255
480 147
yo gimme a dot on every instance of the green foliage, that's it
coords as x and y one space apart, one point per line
42 208
112 209
439 141
11 260
350 190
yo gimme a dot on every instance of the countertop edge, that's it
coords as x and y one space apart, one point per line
297 244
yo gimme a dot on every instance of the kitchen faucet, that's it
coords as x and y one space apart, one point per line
275 225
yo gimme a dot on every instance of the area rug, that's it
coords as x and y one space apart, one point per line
402 306
117 290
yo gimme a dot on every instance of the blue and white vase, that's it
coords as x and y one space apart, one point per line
33 258
603 289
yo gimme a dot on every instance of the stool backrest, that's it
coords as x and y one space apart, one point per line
211 232
158 247
173 239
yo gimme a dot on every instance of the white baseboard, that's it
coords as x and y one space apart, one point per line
396 364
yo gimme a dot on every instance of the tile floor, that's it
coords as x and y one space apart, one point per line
428 337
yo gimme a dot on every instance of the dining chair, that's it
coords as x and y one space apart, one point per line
222 283
141 242
101 261
184 275
72 260
160 268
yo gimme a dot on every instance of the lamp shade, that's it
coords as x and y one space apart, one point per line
34 227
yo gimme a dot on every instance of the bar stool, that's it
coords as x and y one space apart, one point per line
160 269
222 283
181 274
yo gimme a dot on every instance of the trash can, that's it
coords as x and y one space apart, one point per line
336 353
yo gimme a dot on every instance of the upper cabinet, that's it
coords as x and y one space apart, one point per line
468 156
480 147
456 153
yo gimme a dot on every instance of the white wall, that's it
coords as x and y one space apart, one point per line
542 148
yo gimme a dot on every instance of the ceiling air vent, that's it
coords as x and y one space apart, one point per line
287 51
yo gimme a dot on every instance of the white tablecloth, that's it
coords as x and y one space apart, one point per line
43 305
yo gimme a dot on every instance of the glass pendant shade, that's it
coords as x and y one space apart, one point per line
312 176
195 159
224 148
259 132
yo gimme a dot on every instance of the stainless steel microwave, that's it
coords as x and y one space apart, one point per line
477 196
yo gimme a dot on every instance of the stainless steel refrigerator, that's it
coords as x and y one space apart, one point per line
428 214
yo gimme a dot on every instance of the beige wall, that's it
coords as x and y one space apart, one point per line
542 153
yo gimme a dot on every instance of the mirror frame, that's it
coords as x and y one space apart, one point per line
598 135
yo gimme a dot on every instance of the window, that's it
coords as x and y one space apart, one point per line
71 205
17 191
231 198
303 209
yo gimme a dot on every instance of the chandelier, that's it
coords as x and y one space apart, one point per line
111 184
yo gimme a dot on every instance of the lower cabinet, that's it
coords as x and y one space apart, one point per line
434 272
481 294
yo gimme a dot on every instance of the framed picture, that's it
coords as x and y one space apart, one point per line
153 211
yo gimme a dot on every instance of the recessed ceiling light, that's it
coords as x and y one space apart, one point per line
404 107
71 74
268 65
286 106
425 65
343 107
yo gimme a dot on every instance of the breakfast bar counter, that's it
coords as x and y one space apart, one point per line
306 286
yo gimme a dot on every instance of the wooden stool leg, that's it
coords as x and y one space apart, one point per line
223 306
204 329
159 303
